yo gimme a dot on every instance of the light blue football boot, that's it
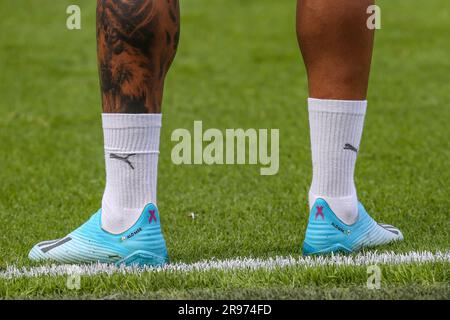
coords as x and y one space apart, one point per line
326 233
142 244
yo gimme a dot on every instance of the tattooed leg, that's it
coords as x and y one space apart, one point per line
137 41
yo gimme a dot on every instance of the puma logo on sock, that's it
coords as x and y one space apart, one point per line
348 146
124 159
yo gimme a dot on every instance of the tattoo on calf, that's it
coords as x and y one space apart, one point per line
136 44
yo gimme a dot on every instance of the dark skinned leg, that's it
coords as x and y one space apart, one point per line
337 49
336 46
137 41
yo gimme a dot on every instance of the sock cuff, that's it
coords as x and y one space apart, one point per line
131 120
131 133
355 107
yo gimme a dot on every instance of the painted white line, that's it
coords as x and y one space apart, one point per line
361 259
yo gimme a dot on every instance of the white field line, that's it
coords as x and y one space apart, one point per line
361 259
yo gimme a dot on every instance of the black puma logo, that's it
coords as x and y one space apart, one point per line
348 146
124 159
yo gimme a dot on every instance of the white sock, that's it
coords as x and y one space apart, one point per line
336 128
131 156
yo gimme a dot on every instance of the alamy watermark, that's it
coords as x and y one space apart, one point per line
374 20
73 21
374 279
234 146
73 282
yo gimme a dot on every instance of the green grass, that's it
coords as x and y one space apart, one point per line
411 281
238 66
